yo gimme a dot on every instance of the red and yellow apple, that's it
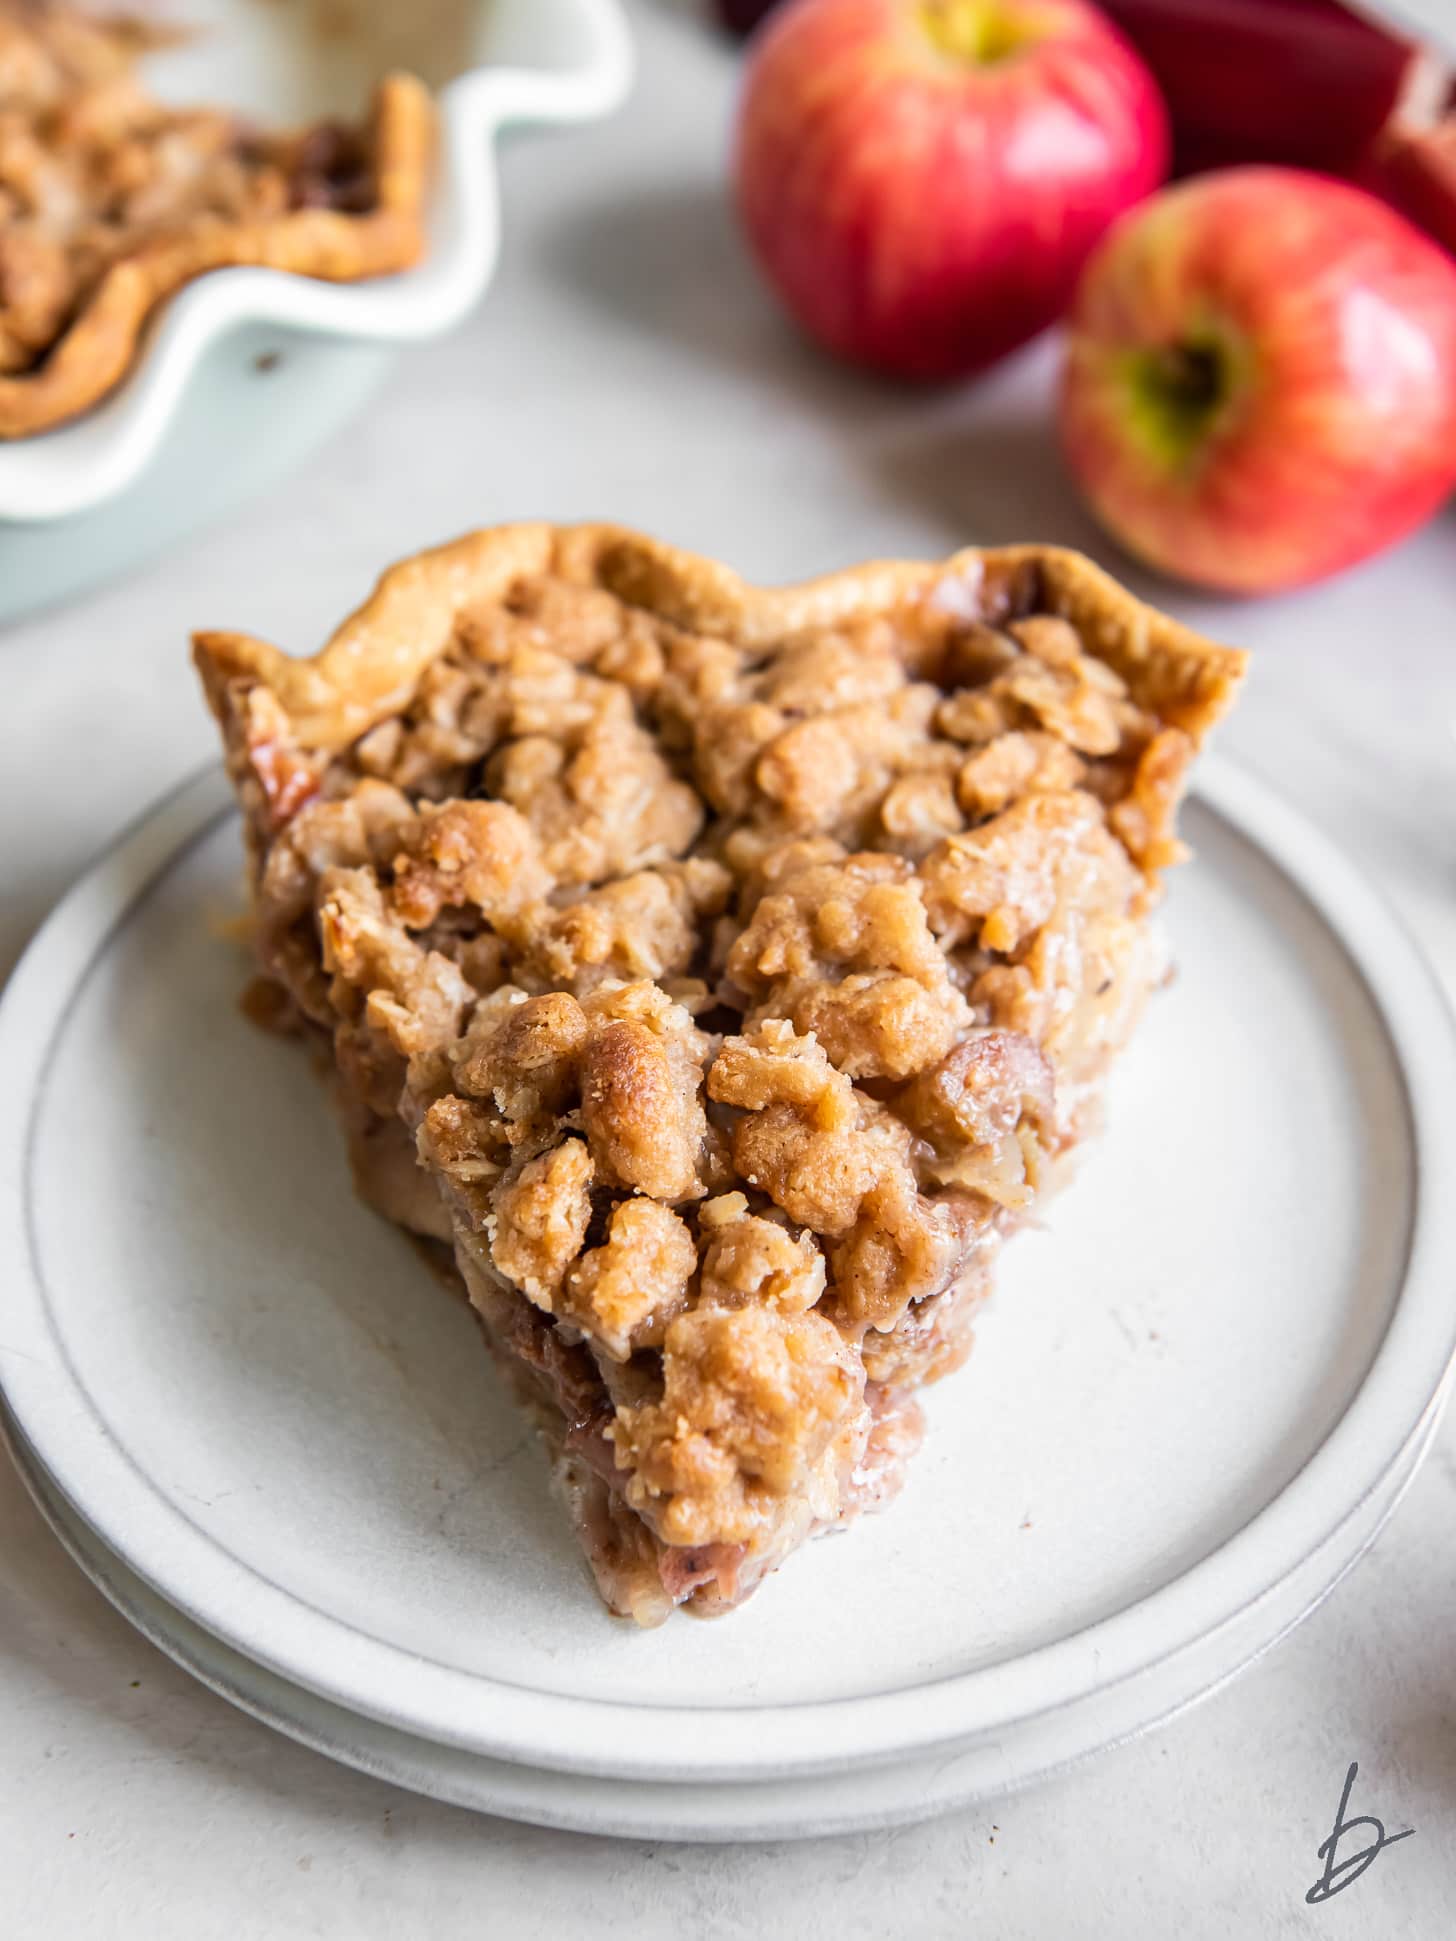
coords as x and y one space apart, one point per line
1260 379
922 180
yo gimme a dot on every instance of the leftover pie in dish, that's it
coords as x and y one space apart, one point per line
110 201
720 974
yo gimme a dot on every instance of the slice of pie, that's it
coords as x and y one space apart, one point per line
109 201
720 973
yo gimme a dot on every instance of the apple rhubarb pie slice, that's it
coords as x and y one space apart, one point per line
720 974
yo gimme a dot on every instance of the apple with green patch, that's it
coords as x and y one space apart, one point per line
1260 379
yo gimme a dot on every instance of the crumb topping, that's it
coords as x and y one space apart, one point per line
753 1401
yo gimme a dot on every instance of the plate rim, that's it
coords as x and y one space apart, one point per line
589 1735
922 1788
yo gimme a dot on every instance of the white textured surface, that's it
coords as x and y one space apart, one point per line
629 366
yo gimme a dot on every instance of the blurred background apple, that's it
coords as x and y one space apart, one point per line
1260 381
922 180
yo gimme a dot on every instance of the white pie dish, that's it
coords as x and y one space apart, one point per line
1188 1393
246 370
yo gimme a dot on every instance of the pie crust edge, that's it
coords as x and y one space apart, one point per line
371 664
101 344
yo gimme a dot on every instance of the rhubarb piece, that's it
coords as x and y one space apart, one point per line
1307 82
742 16
1415 170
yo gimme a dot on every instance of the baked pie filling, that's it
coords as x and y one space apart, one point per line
110 201
720 974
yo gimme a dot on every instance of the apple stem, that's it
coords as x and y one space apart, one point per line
977 33
1190 377
1177 395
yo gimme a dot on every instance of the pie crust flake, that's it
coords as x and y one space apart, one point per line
111 201
719 974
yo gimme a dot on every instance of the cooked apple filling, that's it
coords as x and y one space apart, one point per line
722 973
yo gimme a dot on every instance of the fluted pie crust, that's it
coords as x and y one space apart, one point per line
720 973
110 202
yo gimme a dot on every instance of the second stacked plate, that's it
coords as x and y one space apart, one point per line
261 1427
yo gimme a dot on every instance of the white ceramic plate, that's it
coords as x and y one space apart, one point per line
259 365
1188 1393
847 1801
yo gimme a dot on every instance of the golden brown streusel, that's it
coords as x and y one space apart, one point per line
753 1400
539 1220
625 1292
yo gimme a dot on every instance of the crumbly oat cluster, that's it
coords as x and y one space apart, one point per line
96 174
737 994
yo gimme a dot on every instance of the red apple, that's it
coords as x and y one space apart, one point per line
1260 383
923 179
